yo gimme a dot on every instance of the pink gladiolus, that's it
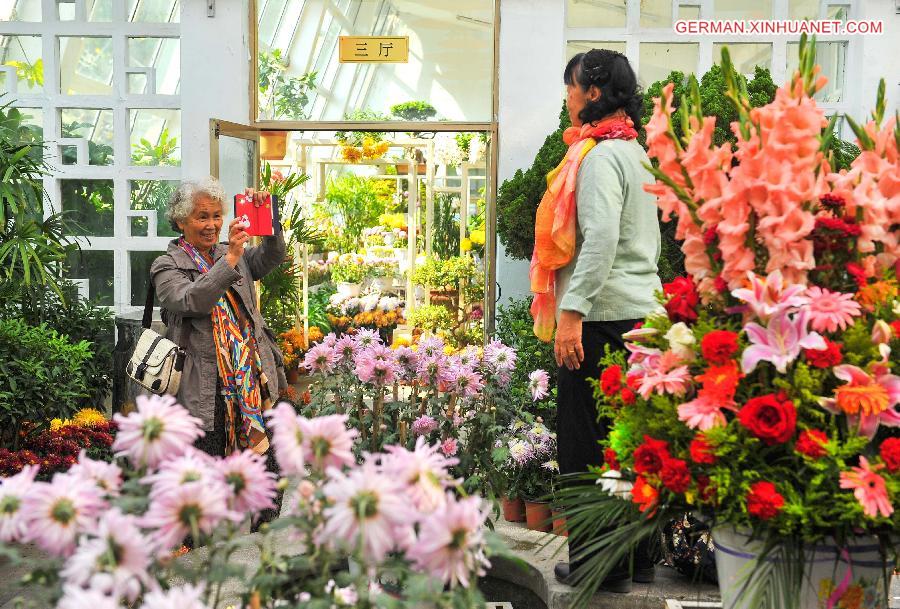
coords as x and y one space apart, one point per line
538 383
327 442
869 489
831 311
868 400
781 342
13 491
769 296
252 486
158 429
56 512
287 439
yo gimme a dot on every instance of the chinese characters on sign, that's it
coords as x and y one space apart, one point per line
374 49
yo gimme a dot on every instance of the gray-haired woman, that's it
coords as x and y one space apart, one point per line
234 369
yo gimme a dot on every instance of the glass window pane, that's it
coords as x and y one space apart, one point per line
96 126
657 60
803 9
841 12
154 11
583 46
741 9
85 66
450 47
270 18
162 59
140 274
832 56
595 13
91 205
20 10
152 195
689 12
746 56
155 136
656 13
97 267
97 10
21 56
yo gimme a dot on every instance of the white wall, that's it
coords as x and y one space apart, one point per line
878 59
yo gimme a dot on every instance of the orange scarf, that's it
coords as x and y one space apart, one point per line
555 227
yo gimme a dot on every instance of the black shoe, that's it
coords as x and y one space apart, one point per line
647 575
618 585
561 571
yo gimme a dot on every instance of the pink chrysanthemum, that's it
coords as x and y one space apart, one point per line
158 429
499 358
449 447
367 337
432 370
327 442
107 476
367 510
330 339
831 311
346 350
192 466
75 597
113 560
451 543
423 470
173 514
252 486
408 360
424 425
287 439
182 597
869 489
465 382
321 359
431 346
56 512
375 371
12 493
538 382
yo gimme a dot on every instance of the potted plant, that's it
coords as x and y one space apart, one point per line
445 277
528 454
382 271
768 409
363 145
414 111
348 275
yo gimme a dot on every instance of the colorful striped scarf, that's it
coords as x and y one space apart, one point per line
555 228
240 369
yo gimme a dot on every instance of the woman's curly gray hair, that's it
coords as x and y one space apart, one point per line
181 203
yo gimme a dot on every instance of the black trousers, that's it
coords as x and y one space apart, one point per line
578 429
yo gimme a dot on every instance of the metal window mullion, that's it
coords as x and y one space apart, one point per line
89 29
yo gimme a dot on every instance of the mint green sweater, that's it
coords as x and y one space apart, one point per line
613 274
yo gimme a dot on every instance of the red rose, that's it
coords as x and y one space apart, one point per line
828 357
702 451
675 475
611 458
890 454
628 396
769 418
718 346
611 380
811 443
764 501
649 456
683 300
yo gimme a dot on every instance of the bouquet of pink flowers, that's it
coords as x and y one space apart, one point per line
766 395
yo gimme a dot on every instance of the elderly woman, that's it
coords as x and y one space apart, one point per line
233 370
594 271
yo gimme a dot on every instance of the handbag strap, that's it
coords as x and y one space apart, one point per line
147 319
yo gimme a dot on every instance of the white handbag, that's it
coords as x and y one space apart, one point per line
157 362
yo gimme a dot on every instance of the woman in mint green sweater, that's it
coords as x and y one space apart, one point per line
610 283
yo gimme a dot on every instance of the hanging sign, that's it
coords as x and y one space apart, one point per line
374 49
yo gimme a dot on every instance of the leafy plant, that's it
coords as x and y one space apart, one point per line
146 153
358 138
446 274
348 272
414 111
31 73
280 95
445 242
356 203
432 318
41 376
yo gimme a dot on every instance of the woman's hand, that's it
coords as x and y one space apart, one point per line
259 196
237 237
567 347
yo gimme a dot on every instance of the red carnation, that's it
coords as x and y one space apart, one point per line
811 442
649 456
675 475
890 454
720 284
611 459
895 326
683 300
611 380
705 489
828 357
710 235
628 396
858 273
764 501
834 203
718 346
702 451
771 418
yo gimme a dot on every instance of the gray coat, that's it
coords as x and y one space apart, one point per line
187 296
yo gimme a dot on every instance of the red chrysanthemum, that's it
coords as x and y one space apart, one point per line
719 346
611 459
649 456
611 380
628 396
890 454
683 300
811 442
764 501
702 451
828 357
771 418
675 475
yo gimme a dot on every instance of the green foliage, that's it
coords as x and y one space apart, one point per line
146 153
414 111
31 73
356 138
348 272
432 318
444 274
355 203
445 243
98 154
280 95
41 376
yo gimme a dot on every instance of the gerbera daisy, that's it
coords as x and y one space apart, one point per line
252 486
327 442
869 489
56 512
830 311
287 439
12 493
867 400
158 429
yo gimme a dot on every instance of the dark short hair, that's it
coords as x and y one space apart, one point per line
610 72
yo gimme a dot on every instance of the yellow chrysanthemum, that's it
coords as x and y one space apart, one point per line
466 245
57 423
477 236
88 417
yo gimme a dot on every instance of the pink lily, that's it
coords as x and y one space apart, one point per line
781 342
768 296
868 400
646 357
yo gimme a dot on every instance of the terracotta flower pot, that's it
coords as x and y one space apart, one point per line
559 524
273 145
513 509
293 375
537 515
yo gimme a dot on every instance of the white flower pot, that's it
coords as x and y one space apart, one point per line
382 284
348 290
827 567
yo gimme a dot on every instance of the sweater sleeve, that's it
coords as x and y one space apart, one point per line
599 197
